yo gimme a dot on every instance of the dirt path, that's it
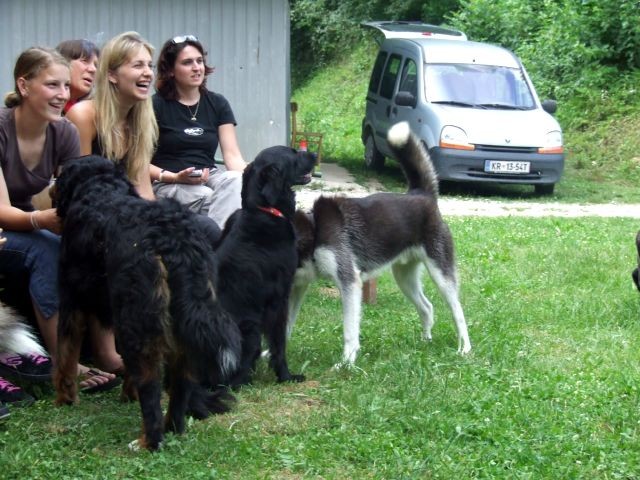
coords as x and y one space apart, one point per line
336 179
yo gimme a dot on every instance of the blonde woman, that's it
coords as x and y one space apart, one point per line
118 122
35 141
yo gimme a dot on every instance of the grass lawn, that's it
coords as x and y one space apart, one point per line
550 389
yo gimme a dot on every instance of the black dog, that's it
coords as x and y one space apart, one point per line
146 270
258 259
634 274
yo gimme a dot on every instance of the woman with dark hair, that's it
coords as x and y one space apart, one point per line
192 121
83 62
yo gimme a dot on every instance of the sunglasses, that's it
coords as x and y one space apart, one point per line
184 38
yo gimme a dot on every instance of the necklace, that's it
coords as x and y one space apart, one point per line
193 114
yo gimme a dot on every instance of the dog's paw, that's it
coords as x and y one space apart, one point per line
343 365
464 349
293 378
139 444
350 353
134 446
66 399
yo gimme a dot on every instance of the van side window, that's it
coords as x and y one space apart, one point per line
409 78
390 75
377 72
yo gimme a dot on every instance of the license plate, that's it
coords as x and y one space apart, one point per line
501 166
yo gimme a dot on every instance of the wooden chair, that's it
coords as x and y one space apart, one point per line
298 135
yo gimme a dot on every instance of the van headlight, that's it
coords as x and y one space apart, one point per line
454 137
552 143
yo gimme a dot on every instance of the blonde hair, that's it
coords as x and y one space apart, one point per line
139 142
29 65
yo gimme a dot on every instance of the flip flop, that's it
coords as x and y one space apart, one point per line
101 387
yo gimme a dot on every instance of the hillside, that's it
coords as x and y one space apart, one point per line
601 128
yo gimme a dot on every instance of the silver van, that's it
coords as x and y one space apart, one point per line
472 104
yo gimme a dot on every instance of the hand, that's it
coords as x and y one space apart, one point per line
183 176
49 220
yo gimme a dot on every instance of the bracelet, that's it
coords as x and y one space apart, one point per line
34 220
160 177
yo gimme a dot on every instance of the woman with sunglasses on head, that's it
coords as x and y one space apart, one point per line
35 141
83 60
192 122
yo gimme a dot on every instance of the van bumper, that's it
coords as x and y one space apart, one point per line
463 165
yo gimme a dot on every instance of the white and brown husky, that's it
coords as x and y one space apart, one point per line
351 240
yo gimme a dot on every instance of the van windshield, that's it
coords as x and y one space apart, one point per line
481 86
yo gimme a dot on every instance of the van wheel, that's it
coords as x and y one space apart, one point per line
545 189
373 159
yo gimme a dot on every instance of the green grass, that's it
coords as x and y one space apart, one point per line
601 141
549 391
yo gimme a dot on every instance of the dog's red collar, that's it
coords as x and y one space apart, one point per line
272 210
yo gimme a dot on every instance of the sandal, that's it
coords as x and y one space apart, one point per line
101 387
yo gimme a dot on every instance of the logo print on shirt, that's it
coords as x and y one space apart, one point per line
194 131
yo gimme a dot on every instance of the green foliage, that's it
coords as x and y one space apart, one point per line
320 29
600 129
568 58
567 46
550 390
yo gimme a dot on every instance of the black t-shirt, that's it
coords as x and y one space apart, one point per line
183 142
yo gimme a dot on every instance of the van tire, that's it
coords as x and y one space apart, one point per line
373 159
545 188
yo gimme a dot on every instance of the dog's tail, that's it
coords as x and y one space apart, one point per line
214 341
413 158
203 402
16 336
636 271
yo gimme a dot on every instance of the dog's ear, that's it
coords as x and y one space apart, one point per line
247 174
271 182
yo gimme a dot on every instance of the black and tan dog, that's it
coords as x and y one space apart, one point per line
351 240
258 259
146 270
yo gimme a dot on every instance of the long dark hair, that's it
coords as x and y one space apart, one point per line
165 82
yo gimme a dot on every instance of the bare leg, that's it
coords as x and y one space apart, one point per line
49 330
103 344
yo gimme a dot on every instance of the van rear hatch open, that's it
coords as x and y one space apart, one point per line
400 29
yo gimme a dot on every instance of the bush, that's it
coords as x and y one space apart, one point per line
568 47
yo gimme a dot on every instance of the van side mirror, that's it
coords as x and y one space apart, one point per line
550 106
405 99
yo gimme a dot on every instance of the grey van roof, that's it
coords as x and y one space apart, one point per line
402 29
448 51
